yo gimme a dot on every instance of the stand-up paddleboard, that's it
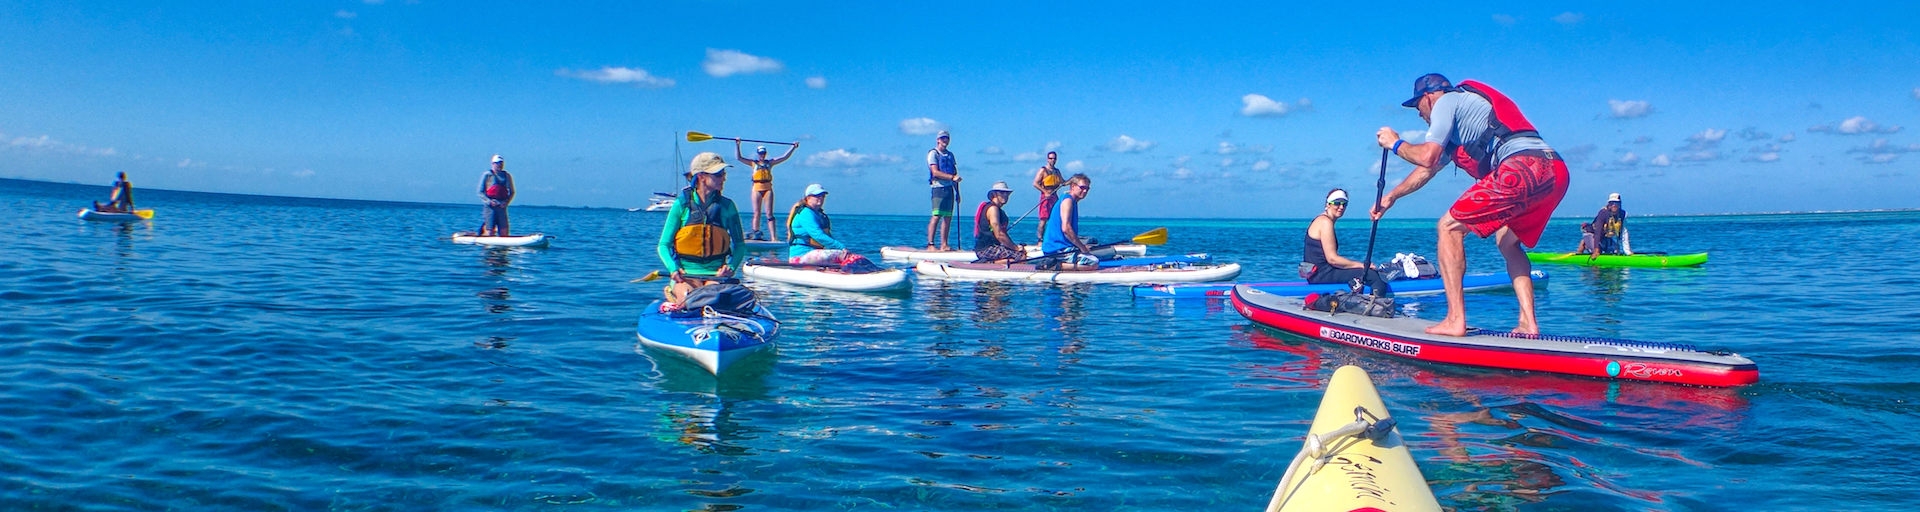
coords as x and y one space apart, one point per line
764 245
1354 458
918 254
1406 337
712 340
533 240
1644 260
1166 273
135 216
1409 287
829 277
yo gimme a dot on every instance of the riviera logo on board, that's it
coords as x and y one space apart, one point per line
1362 340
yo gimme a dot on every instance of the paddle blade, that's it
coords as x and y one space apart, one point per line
697 137
1156 237
651 276
144 214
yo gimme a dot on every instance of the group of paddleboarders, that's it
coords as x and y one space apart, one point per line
120 200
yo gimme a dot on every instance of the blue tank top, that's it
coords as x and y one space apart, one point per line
1056 239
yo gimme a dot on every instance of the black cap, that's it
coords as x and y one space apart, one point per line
1425 84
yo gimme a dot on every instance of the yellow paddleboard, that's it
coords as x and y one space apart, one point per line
1358 474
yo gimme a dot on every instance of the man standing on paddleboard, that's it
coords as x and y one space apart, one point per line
1521 180
496 189
944 177
1047 180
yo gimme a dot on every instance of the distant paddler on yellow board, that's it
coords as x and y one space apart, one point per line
697 244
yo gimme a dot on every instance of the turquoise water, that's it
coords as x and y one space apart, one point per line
253 353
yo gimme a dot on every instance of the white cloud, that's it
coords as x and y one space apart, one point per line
921 126
1706 140
1767 157
1916 93
1859 124
816 82
1787 138
1255 105
1629 159
1705 155
1708 135
1226 162
1029 156
1126 144
992 150
344 14
1262 165
1505 20
1569 18
41 142
1258 149
1052 145
1074 166
1751 133
1182 173
619 75
1641 139
1880 159
847 159
1660 161
1225 148
724 63
184 163
1305 104
303 173
1628 109
1413 136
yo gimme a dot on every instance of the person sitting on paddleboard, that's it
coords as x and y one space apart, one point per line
943 175
1047 180
496 190
1321 263
1062 244
703 228
1588 245
1520 181
810 233
762 186
991 243
121 199
1610 228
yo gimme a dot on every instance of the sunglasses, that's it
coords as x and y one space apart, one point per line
1338 202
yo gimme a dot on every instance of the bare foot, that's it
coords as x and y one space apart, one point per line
1449 327
1527 328
929 247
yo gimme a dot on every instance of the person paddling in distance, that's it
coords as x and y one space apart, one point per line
1062 242
702 229
120 200
943 174
496 190
1610 229
991 243
763 186
1047 180
1321 263
1520 181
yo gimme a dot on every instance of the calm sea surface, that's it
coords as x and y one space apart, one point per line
255 353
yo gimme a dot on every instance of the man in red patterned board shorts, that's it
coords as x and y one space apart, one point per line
1521 180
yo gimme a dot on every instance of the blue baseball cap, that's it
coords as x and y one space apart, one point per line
816 190
1425 84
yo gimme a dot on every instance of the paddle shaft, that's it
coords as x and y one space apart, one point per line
758 141
1023 216
1379 192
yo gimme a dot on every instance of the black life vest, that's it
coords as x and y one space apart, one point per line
1477 156
703 238
983 235
826 225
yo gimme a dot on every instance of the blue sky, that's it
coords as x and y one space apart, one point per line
1173 109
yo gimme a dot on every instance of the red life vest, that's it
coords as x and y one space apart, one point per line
1477 156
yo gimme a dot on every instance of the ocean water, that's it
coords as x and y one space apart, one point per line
257 353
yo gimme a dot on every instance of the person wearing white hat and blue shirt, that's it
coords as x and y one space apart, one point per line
991 243
496 189
943 175
762 187
1321 262
1610 228
810 232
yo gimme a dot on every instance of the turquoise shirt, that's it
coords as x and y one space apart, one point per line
806 226
677 218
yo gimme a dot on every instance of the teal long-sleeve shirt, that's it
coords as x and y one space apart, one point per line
677 218
806 224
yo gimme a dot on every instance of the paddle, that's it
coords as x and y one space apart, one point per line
701 137
656 275
1379 192
1036 207
1155 236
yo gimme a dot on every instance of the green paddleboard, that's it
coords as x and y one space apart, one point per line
1611 260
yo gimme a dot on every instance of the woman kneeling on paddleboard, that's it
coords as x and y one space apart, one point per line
810 233
1321 262
696 245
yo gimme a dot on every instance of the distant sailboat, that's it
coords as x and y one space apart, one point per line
663 201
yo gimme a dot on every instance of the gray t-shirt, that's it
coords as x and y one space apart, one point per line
1462 117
